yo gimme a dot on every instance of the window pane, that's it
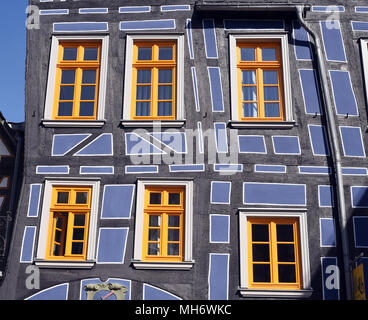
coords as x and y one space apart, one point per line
165 53
285 253
164 92
250 110
164 108
272 110
81 197
62 197
261 253
154 235
269 54
143 76
66 93
165 76
57 250
285 232
247 54
144 53
90 54
60 218
88 93
143 109
79 220
173 249
89 76
271 93
77 247
68 76
155 198
78 234
143 92
173 235
249 93
154 221
65 109
261 273
174 221
270 77
153 249
86 109
260 232
174 198
70 54
58 235
249 77
287 273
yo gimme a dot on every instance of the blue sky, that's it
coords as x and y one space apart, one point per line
12 59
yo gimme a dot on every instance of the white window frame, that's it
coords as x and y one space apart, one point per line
301 215
47 121
188 227
44 225
364 50
180 116
235 122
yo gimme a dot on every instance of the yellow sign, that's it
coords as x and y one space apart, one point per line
358 283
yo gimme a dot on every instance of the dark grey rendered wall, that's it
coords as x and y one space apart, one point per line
191 284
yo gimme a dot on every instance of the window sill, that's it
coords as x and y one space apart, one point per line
262 124
152 123
274 293
73 123
186 265
64 264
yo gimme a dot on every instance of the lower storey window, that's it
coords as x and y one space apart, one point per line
163 223
274 253
68 223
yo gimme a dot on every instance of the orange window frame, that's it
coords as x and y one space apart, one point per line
154 65
79 65
163 212
273 262
259 66
66 214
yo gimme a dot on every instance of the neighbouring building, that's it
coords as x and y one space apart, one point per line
11 167
197 150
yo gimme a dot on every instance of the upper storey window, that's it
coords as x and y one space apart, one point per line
154 87
364 51
77 78
154 80
260 76
77 81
